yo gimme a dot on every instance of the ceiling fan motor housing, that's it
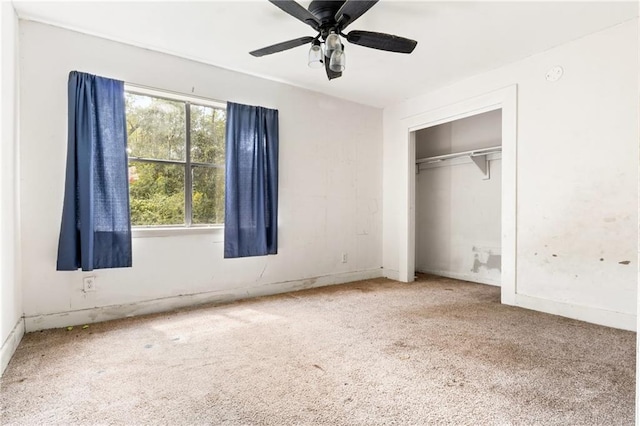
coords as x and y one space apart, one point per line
325 11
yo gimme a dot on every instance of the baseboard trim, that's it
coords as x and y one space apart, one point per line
583 313
111 312
392 274
11 344
462 277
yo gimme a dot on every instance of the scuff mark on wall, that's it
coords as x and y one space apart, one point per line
488 258
262 273
625 262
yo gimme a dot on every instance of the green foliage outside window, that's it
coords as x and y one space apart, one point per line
157 130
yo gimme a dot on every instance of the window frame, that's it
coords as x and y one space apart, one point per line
187 227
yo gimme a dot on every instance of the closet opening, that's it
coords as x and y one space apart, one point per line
458 198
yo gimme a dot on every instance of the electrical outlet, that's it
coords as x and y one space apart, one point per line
344 257
88 284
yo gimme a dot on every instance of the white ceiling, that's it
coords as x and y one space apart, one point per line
455 39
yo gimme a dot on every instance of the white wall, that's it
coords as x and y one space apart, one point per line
577 151
474 132
638 270
11 325
457 211
330 188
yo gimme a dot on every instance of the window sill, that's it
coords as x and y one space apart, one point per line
175 231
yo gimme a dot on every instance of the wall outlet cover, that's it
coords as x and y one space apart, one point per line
89 284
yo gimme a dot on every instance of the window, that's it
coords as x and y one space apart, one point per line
176 160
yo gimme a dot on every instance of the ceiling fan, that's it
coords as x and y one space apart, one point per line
329 18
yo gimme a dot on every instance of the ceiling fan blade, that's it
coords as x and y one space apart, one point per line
281 46
381 41
297 11
330 74
352 10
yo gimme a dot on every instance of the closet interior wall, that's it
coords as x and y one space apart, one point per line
458 218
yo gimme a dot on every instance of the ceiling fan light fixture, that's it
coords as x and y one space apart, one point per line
331 43
315 56
338 60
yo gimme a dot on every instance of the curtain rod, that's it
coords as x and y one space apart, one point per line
142 87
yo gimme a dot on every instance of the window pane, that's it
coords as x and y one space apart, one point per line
208 195
155 127
156 193
207 134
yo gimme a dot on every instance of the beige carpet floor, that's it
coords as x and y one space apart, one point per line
437 351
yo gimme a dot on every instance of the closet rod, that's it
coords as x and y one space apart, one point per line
471 153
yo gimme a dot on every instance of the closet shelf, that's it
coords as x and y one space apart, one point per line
478 156
472 153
